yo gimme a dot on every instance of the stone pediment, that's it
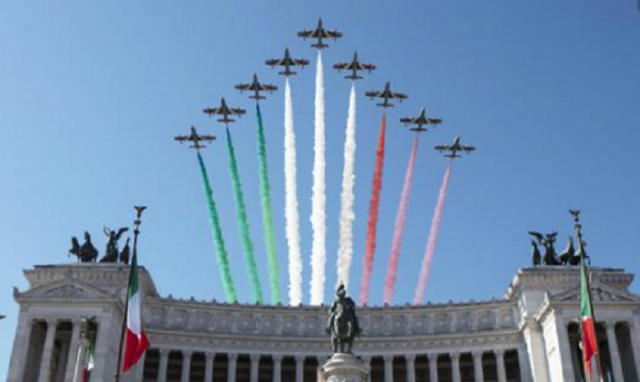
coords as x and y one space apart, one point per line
68 289
599 293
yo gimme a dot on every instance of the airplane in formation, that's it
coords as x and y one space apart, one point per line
256 87
454 148
195 138
320 34
287 62
354 66
225 111
386 95
420 121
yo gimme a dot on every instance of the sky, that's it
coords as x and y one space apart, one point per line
92 94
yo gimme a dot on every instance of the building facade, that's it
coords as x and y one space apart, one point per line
530 335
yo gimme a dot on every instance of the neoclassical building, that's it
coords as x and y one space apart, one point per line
530 335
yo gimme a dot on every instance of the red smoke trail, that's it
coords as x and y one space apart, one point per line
390 281
433 240
374 205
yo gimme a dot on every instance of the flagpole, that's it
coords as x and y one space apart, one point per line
581 249
136 232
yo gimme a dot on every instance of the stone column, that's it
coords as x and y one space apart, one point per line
411 367
233 362
634 332
45 363
255 367
277 368
525 367
538 361
208 366
613 351
367 362
164 362
388 368
300 368
74 347
186 365
455 367
20 349
478 372
433 367
502 373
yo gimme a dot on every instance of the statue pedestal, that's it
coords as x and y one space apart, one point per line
344 367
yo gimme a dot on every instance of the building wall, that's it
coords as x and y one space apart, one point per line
525 337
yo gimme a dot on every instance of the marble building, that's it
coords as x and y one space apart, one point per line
530 335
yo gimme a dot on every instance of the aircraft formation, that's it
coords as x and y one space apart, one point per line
386 98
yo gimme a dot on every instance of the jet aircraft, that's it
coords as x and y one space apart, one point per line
454 148
224 111
420 121
194 138
320 34
287 62
386 95
256 87
354 66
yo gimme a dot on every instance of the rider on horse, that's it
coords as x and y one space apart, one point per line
343 310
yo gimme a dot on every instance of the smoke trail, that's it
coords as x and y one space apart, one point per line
432 240
267 214
243 222
392 268
218 240
291 202
318 199
347 216
374 205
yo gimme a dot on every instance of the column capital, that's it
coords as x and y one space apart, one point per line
187 352
255 357
366 359
210 355
277 358
609 324
433 357
51 321
454 356
76 321
388 358
164 351
477 353
410 357
300 358
233 357
499 352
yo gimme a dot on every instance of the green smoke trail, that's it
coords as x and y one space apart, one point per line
267 214
218 240
243 222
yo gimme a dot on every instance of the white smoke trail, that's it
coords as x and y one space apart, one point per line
347 216
318 199
291 202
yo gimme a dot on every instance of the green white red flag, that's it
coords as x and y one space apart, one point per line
89 361
589 340
136 340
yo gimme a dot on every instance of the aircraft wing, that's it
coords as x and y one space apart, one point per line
398 96
434 121
274 62
368 67
443 148
269 88
181 138
301 62
333 34
305 34
212 110
373 94
341 66
468 149
243 87
407 120
237 111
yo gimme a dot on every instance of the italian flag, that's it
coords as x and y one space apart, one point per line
589 341
89 362
136 341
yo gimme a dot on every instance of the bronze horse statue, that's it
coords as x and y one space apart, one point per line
343 323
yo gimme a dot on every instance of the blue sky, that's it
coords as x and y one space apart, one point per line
92 93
